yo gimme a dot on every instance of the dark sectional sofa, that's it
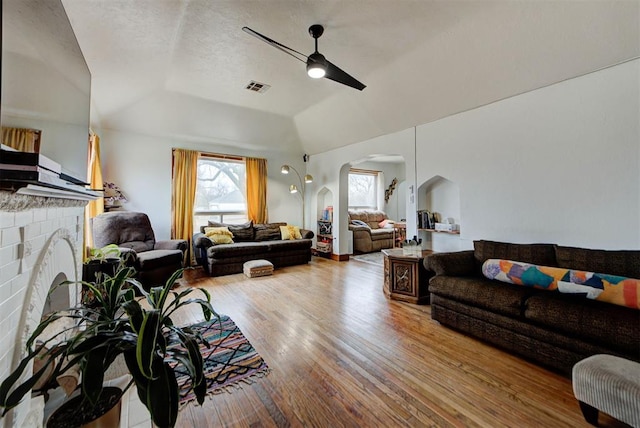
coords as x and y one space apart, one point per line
553 329
251 242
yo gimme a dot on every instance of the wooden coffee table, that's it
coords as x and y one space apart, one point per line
405 277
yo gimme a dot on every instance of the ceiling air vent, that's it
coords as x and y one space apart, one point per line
258 87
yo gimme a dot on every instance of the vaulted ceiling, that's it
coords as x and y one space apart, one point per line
178 68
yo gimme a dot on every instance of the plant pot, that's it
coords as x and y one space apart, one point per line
91 268
75 413
90 271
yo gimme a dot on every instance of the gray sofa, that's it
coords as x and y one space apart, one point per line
251 242
553 329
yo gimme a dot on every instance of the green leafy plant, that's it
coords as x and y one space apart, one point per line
111 251
139 329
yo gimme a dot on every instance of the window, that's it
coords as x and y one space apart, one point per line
220 191
363 189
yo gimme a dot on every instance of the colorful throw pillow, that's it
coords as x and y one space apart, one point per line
614 289
290 232
219 235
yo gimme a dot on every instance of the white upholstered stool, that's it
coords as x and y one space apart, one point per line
609 384
255 268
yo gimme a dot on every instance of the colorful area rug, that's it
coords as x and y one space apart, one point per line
229 360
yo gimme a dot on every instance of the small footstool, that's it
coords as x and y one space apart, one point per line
609 384
255 268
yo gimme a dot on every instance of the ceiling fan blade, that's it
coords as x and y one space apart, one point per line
294 53
336 74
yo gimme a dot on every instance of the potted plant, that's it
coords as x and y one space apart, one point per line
105 260
119 325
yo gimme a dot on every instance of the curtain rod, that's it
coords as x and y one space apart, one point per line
364 171
215 155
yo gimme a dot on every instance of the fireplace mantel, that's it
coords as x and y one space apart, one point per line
13 201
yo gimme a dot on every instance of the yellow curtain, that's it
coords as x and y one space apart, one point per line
94 177
183 195
25 140
257 189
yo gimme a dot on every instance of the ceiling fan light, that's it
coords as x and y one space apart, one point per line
293 189
316 65
315 71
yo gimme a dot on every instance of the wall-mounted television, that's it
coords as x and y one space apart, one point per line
45 81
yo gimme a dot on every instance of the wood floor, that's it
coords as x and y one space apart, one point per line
342 355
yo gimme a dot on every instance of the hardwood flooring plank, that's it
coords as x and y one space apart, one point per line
342 355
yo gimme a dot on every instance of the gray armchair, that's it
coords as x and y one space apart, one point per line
368 236
154 261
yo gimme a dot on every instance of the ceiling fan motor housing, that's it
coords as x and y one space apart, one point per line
316 30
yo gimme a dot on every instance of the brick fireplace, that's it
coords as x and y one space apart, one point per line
40 246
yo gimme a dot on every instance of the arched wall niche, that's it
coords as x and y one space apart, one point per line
324 200
441 196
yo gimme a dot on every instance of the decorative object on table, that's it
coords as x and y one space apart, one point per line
118 326
284 169
390 189
113 196
412 247
229 359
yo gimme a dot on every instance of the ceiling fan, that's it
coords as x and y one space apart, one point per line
317 64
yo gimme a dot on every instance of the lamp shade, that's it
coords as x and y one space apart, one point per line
308 178
293 189
284 169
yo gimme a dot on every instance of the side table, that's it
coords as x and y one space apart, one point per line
405 277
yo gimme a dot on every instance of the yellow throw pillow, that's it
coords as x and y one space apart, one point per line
290 232
219 235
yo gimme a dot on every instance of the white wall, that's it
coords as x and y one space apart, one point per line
559 164
141 166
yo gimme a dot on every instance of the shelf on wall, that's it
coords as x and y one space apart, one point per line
455 232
